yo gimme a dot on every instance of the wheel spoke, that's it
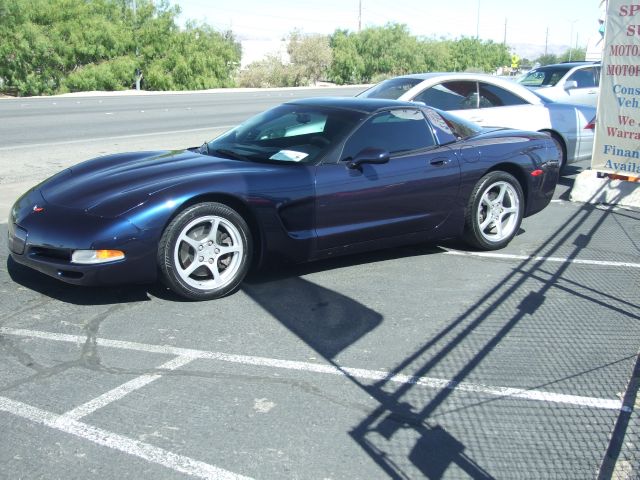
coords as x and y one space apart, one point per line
486 223
224 249
190 269
213 268
188 240
499 232
213 233
500 197
486 200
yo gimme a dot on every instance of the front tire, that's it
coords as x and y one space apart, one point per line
494 211
205 252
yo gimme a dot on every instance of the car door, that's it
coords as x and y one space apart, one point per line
414 191
586 91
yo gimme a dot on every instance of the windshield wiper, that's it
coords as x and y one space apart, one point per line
227 153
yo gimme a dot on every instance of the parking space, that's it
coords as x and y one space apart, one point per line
425 361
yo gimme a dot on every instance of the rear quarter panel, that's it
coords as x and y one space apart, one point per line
518 153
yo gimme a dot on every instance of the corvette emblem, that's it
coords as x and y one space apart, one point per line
37 209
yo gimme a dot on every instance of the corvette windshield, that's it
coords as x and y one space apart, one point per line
288 133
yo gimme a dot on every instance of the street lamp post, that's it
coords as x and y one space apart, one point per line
571 38
478 22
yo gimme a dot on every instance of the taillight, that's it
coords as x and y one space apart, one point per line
591 125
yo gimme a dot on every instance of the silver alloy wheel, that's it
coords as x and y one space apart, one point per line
498 211
208 252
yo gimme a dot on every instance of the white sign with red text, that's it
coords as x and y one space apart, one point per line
616 147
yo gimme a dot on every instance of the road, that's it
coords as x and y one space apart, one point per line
429 361
56 120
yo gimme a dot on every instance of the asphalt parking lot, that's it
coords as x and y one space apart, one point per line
431 361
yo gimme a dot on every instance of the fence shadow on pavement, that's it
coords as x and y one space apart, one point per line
403 435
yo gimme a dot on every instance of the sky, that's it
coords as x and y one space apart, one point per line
569 22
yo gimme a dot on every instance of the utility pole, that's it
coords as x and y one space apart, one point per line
478 22
504 42
546 42
359 16
571 38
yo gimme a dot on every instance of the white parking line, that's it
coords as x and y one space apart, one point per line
124 389
506 256
105 438
376 375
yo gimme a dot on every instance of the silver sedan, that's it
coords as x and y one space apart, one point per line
497 102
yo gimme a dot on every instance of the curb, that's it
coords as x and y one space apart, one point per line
589 188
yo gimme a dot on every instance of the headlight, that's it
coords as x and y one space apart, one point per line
96 256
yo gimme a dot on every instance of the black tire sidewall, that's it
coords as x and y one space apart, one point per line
563 154
167 244
472 233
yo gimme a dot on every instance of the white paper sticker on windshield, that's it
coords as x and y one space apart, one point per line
437 121
289 156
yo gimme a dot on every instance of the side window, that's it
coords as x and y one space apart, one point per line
554 77
492 96
597 76
585 78
394 131
459 95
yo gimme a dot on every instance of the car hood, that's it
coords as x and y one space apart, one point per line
108 186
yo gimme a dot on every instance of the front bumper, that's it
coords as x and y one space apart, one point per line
45 239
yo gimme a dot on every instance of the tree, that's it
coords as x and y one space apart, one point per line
573 55
547 59
41 42
471 54
360 57
310 55
391 50
50 46
347 65
269 72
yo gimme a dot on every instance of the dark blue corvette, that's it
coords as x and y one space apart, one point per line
303 181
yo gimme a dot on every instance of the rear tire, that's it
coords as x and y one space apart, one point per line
494 211
205 252
563 152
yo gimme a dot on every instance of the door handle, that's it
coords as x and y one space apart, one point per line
440 161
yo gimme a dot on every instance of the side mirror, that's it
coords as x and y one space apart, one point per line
570 85
369 155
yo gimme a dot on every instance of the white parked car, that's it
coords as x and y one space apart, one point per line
497 102
572 82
